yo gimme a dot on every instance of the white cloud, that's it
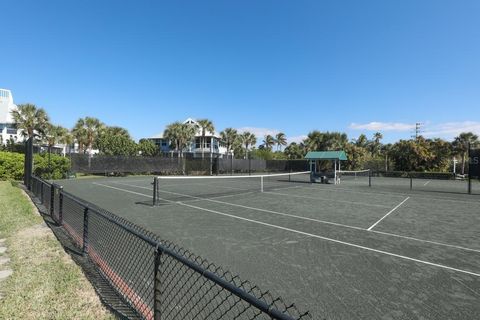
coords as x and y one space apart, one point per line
382 126
259 132
449 130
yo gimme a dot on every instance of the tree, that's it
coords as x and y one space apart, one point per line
205 125
375 145
460 145
322 141
362 141
295 151
412 155
280 140
180 135
86 131
30 119
357 156
268 142
228 138
248 139
115 141
147 148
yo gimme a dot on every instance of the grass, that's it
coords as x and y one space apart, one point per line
46 283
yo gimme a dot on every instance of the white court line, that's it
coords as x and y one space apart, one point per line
395 194
426 183
398 206
304 233
196 199
326 199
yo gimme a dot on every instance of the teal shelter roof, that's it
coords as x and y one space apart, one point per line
326 155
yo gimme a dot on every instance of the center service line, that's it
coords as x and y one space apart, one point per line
398 206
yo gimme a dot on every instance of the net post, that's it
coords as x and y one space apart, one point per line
369 178
85 231
155 192
411 180
261 183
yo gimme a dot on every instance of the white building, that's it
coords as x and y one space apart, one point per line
8 129
211 144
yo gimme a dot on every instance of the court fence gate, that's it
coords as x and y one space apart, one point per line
156 278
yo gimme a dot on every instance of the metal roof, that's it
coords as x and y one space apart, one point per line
326 155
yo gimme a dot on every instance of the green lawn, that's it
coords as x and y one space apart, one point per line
46 283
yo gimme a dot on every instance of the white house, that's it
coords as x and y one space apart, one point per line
211 144
8 129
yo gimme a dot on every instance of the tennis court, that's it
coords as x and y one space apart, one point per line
346 251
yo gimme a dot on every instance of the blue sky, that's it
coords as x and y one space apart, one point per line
267 65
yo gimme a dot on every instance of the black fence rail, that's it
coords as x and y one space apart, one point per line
156 278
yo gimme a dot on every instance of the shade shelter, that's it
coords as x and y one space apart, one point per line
335 156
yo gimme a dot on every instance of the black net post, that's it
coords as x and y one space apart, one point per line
369 178
155 191
85 231
411 180
60 205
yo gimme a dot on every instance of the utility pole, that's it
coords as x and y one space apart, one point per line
418 130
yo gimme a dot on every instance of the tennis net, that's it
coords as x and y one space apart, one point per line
167 189
358 176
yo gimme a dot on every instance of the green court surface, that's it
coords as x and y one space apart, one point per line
346 251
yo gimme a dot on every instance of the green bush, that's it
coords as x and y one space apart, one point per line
11 166
59 166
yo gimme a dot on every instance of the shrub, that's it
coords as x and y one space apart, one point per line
11 166
59 166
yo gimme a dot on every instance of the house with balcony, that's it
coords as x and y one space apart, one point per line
211 144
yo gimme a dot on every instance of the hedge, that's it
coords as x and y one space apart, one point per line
11 166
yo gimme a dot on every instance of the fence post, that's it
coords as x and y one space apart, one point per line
52 199
85 231
469 171
60 205
41 192
156 285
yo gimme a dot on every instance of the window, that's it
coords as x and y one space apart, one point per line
11 131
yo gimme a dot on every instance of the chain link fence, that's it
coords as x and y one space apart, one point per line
157 279
113 165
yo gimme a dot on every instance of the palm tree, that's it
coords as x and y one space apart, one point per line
53 135
460 145
280 140
375 145
171 133
87 131
268 142
228 136
362 141
180 135
30 119
205 126
314 140
248 139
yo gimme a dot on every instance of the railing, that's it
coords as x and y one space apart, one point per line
156 278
